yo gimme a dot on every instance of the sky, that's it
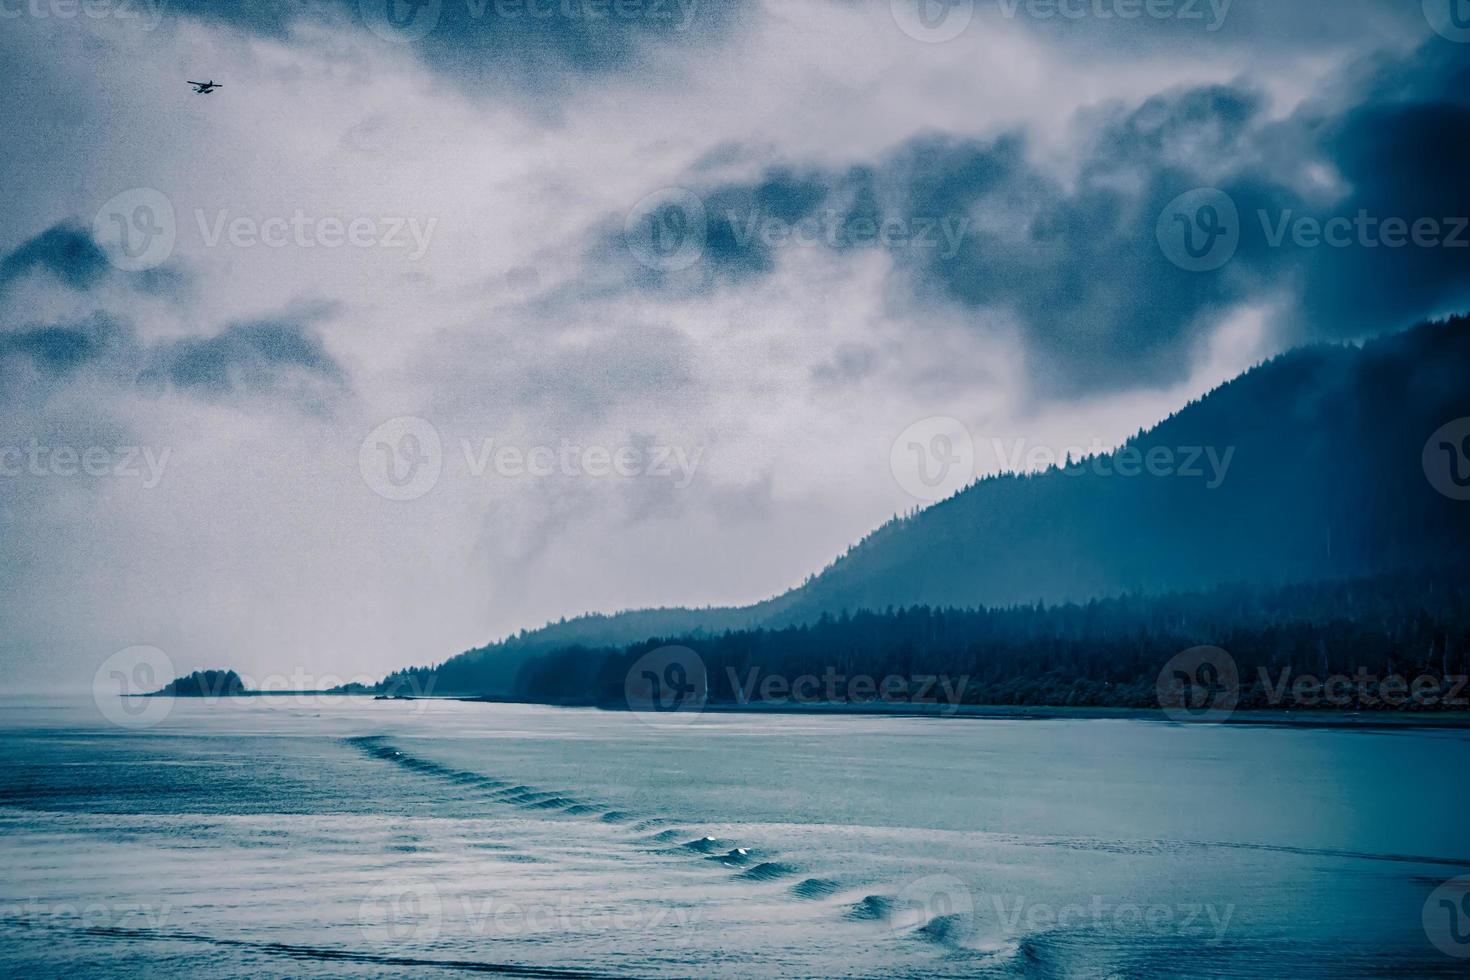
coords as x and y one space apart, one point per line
443 319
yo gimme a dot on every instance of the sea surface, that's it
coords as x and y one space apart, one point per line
351 837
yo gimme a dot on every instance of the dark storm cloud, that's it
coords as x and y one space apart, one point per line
481 38
65 251
1406 155
59 349
1181 26
276 357
256 356
1079 266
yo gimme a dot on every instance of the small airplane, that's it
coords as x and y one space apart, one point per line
204 88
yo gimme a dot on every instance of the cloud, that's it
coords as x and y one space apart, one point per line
1072 255
259 356
65 251
496 40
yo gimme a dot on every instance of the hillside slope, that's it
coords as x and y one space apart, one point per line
1310 468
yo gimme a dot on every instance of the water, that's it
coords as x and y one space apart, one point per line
348 837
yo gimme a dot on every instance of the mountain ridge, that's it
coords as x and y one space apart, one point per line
1341 426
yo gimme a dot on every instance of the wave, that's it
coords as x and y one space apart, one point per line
870 908
319 953
767 871
727 853
814 888
735 857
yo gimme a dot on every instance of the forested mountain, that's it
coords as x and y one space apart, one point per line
1325 479
1310 468
1102 653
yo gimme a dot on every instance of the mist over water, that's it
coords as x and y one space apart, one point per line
347 837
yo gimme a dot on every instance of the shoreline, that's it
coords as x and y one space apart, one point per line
1261 718
1452 720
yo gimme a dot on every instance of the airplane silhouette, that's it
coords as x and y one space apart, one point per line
204 88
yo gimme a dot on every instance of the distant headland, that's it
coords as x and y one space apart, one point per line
204 684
